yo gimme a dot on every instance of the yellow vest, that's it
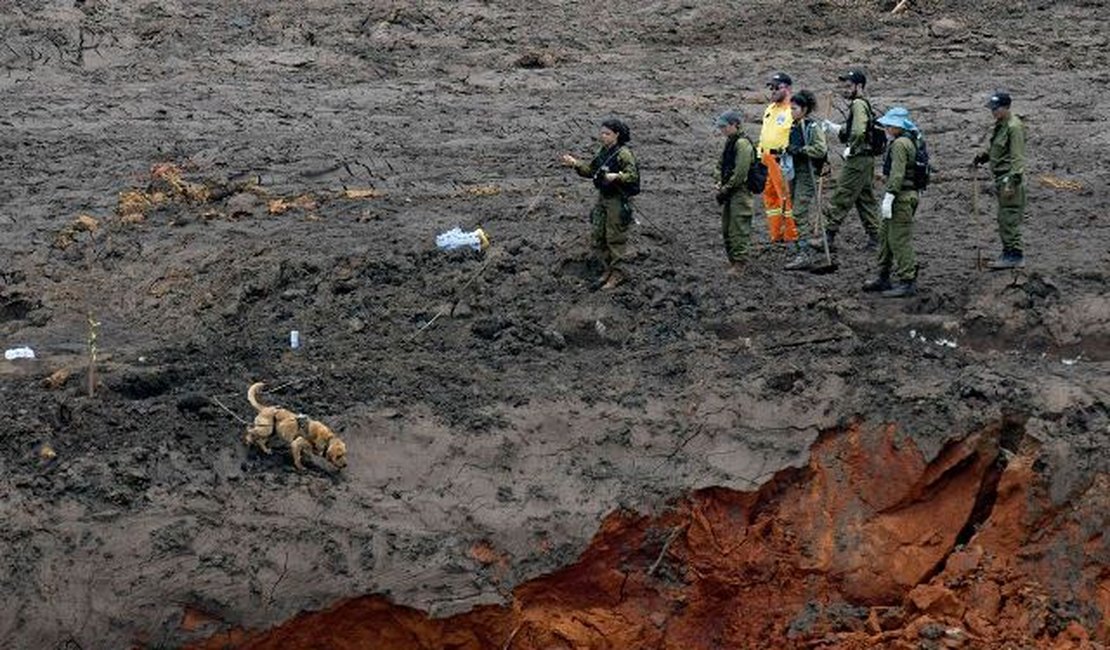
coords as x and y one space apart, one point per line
776 127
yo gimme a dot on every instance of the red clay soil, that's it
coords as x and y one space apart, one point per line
869 546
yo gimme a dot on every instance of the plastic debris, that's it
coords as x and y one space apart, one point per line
19 353
456 238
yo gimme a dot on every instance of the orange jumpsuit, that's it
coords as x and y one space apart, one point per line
773 139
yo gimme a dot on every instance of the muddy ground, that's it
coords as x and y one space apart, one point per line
532 406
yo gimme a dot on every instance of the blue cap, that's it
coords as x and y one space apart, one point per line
898 117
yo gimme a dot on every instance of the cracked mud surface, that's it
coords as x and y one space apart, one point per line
488 449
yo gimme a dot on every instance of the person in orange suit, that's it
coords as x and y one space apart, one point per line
774 138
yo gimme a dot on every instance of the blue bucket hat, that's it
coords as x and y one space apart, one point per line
898 117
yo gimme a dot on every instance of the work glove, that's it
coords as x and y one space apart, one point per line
832 128
980 159
888 206
722 197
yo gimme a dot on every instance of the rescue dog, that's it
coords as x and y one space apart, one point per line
299 431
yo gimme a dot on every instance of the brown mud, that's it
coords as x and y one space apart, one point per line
695 460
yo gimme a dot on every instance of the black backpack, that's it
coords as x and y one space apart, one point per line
756 179
876 134
921 167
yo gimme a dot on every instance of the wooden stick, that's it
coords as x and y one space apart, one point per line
667 545
978 221
230 412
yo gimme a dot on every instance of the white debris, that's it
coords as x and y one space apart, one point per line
1071 362
19 353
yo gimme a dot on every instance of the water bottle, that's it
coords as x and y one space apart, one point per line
294 339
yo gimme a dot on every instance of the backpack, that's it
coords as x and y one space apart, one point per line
921 167
756 179
876 134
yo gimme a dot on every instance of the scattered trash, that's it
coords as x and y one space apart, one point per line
946 343
456 238
19 353
294 339
1071 362
599 327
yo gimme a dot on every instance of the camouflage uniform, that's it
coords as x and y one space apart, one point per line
855 184
896 234
737 204
612 214
809 148
1007 161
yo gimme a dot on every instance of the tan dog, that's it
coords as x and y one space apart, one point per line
313 435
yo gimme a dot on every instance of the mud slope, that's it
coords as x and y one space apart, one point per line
866 547
185 183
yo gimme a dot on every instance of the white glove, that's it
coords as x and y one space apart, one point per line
888 206
832 128
847 151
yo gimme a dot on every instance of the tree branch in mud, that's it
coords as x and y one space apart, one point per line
666 545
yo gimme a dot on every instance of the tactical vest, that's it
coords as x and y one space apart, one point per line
798 141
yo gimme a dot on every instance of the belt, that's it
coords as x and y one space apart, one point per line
776 152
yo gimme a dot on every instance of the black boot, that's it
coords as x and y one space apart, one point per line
881 283
1010 259
901 290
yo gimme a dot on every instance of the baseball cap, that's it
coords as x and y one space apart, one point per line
729 117
780 78
854 75
998 100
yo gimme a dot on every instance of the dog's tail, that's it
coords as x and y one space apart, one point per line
252 395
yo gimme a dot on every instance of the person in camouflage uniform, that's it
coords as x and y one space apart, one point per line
617 177
733 195
855 183
809 151
1006 154
898 208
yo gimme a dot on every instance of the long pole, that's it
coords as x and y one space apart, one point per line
978 219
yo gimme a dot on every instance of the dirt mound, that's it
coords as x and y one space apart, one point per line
186 183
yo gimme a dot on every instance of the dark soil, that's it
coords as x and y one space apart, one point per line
532 406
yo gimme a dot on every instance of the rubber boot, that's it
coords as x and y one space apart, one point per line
901 290
1010 259
802 261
